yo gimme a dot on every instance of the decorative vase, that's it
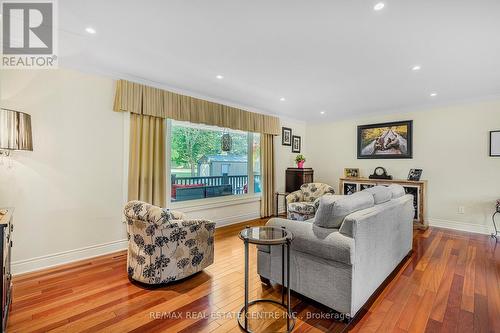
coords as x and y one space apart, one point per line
300 164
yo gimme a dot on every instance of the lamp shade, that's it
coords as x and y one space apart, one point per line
15 130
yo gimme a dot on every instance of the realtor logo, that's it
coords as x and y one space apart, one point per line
28 34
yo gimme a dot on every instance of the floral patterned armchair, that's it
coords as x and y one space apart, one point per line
302 204
164 245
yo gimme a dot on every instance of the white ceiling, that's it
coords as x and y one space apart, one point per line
339 56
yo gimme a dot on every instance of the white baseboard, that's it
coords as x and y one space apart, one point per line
462 226
56 259
236 219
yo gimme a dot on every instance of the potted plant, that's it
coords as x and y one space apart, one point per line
300 159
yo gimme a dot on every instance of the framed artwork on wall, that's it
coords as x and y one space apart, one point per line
296 144
286 136
386 140
495 143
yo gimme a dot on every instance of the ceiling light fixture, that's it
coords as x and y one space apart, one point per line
434 94
322 112
416 68
379 6
90 30
220 77
282 99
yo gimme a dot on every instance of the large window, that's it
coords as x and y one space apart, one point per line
200 167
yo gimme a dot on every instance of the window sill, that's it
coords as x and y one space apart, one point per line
230 200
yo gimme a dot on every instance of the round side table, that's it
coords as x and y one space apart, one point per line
268 235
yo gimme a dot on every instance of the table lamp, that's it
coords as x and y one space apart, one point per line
15 131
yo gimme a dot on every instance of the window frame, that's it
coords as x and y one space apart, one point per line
228 200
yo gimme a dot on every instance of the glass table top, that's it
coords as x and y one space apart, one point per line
266 235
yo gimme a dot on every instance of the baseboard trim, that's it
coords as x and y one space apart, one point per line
461 226
236 219
56 259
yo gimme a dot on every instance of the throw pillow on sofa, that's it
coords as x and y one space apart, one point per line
334 208
380 194
397 190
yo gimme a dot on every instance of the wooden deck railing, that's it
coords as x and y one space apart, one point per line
238 182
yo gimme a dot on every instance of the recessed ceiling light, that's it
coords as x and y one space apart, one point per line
90 30
322 112
434 94
220 77
416 68
379 6
282 99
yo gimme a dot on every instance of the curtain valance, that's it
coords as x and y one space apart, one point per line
141 99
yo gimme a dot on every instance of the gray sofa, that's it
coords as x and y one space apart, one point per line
340 257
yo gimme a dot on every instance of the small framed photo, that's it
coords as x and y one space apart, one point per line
351 172
286 136
415 174
295 144
495 143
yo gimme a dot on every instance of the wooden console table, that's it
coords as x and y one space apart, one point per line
416 188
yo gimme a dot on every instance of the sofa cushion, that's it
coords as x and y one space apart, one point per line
334 208
305 208
397 190
320 242
380 194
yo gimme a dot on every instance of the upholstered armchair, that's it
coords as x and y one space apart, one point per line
302 204
164 245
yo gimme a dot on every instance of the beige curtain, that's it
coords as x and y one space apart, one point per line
267 184
140 99
146 172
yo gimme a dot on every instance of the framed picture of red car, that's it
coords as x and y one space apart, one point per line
386 140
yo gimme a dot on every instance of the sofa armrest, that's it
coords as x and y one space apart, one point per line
295 196
383 237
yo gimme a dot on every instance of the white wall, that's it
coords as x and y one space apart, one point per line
69 192
449 143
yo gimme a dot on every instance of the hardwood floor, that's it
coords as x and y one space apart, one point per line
451 283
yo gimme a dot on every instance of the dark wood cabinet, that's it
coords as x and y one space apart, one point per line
295 177
6 229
